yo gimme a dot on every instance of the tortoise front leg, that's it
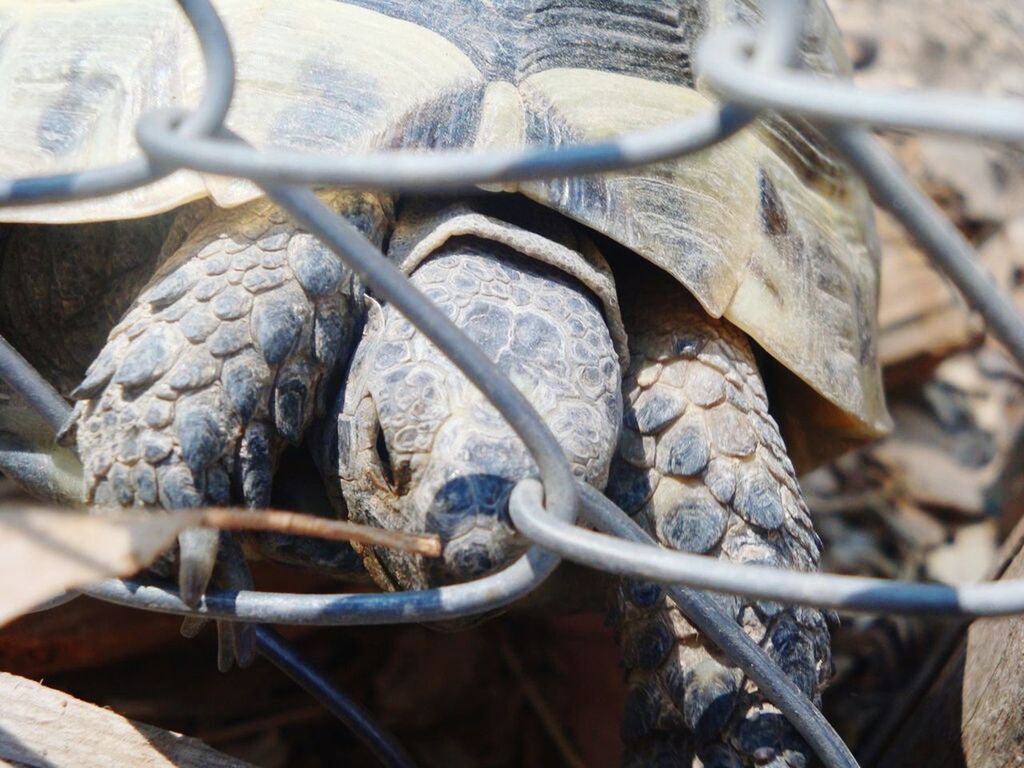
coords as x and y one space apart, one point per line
220 363
702 467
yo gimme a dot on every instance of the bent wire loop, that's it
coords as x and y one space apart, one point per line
751 71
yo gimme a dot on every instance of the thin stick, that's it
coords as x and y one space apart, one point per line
428 545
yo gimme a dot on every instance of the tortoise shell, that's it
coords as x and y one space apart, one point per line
767 229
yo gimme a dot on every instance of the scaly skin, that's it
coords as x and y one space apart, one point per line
700 463
216 367
702 467
446 461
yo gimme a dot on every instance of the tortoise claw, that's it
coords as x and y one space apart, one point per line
236 641
225 646
191 626
244 636
197 558
236 645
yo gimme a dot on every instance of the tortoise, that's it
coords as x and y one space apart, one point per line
693 332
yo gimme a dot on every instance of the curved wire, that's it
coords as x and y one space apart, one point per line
409 171
942 241
722 62
436 171
327 610
824 590
737 645
207 118
285 657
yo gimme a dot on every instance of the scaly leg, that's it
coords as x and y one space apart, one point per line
220 362
702 467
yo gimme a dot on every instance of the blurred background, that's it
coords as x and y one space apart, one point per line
938 500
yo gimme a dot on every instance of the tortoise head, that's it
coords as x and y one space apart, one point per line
422 450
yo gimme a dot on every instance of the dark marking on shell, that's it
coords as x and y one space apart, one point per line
773 211
514 39
83 100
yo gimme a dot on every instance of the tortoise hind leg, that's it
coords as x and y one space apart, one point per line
702 467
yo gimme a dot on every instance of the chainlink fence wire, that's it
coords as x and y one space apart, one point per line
753 72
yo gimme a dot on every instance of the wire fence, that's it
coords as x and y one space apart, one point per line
752 71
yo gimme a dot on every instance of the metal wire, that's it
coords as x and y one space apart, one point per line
723 63
751 72
728 636
207 118
282 655
824 590
32 387
407 171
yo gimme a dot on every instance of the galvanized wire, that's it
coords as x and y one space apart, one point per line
751 71
26 382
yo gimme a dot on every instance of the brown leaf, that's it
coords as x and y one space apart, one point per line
45 552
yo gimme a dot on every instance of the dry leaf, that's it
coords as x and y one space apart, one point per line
44 553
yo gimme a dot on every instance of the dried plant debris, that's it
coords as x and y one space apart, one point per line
44 551
931 502
44 728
